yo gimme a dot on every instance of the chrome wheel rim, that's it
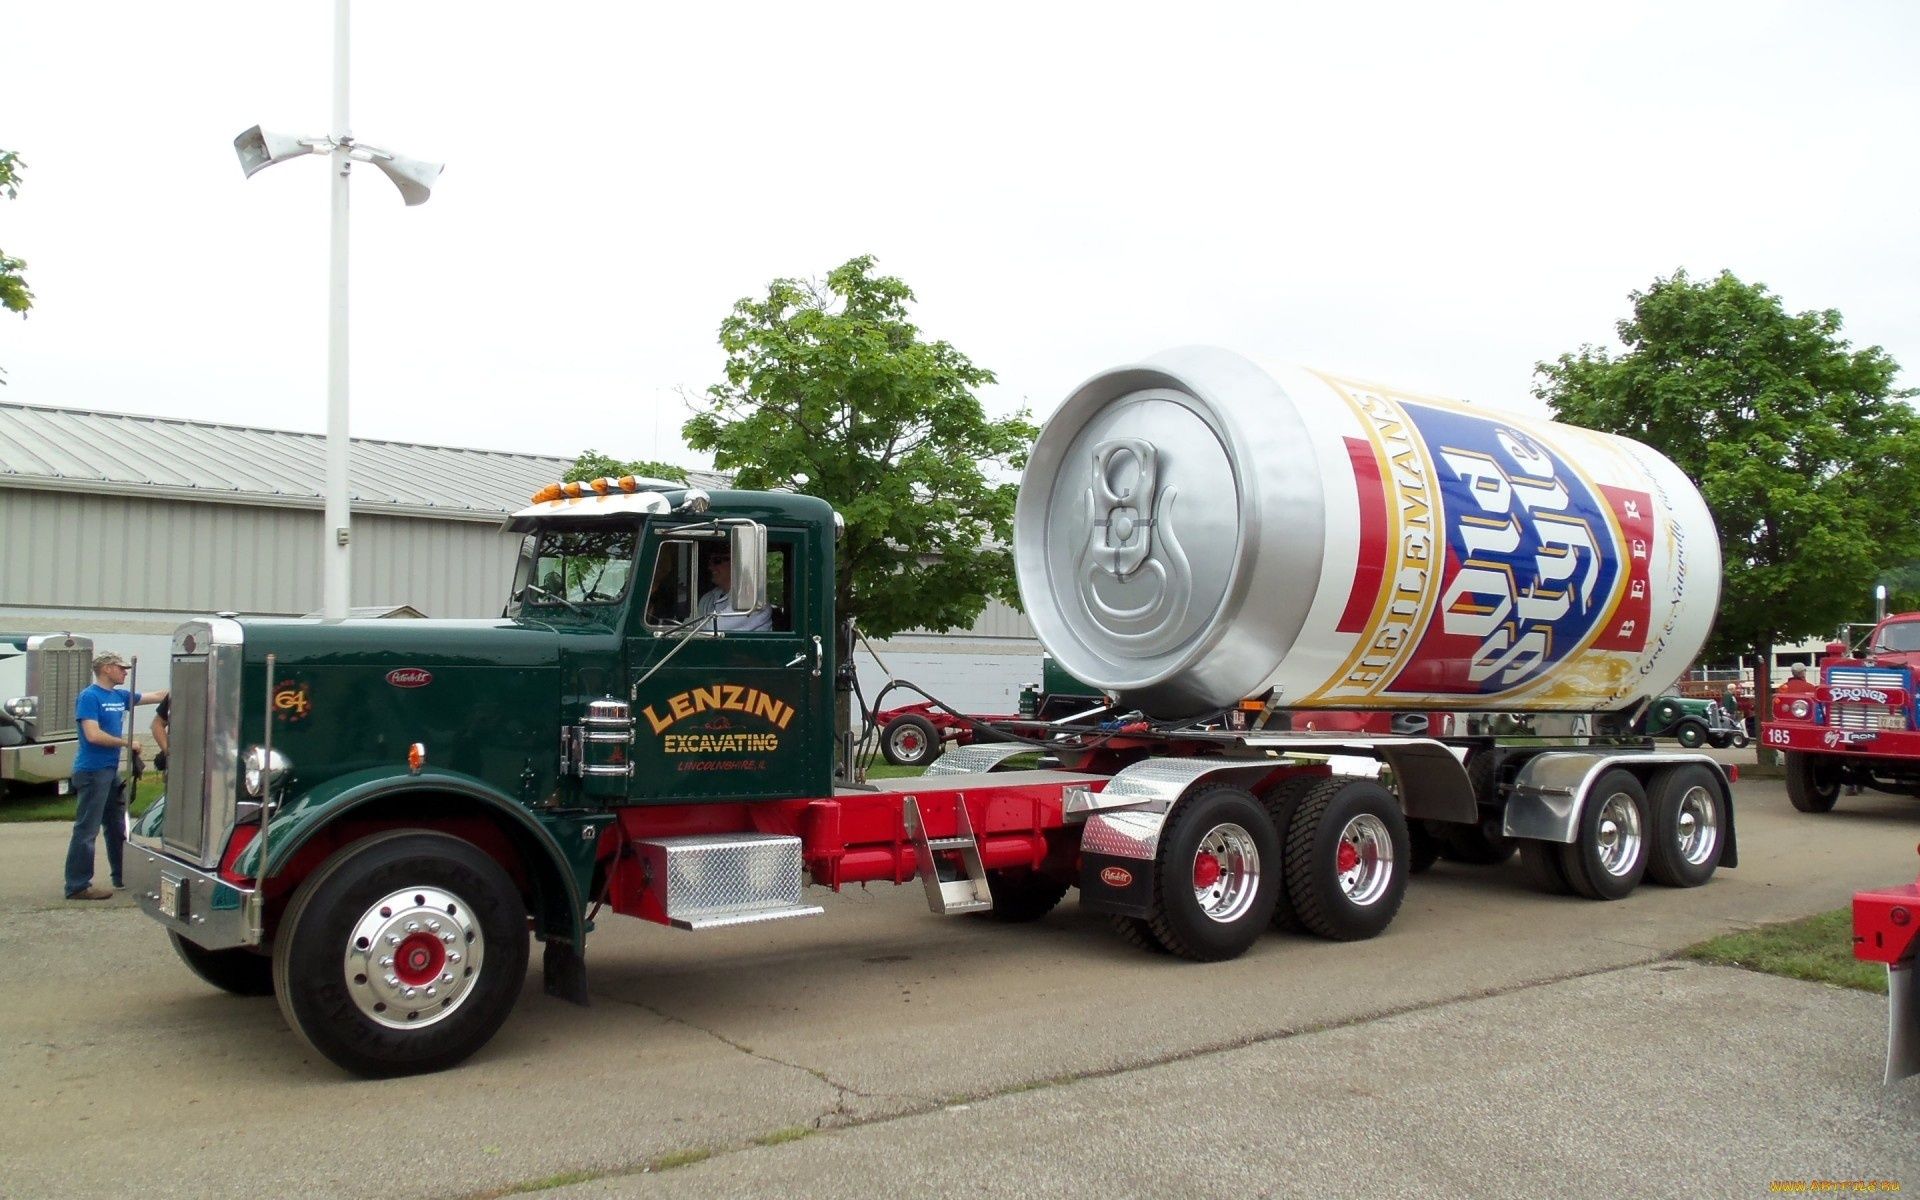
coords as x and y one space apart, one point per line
1226 873
908 743
1617 834
413 958
1364 859
1697 826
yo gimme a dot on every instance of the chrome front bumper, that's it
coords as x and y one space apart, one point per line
195 904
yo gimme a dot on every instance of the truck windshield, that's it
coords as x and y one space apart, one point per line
1900 637
578 566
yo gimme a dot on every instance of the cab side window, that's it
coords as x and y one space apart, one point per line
687 573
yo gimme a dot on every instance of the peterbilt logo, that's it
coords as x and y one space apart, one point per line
1859 693
409 677
1118 877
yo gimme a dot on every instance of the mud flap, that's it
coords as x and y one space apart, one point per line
566 972
1903 1022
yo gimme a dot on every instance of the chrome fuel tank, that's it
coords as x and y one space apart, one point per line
1195 528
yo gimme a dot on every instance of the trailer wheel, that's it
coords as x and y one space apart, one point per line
909 741
1215 880
402 954
1020 896
1811 785
241 972
1609 852
1347 859
1281 803
1688 819
1138 931
1540 863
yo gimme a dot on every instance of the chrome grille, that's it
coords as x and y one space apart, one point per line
185 826
59 668
1865 716
203 760
1876 677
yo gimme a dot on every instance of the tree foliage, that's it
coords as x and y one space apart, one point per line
831 390
1808 456
594 465
14 296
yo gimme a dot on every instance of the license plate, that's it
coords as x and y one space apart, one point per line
171 895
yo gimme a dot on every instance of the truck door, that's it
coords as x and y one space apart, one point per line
728 706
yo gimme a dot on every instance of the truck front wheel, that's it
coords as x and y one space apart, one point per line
241 972
1215 878
1609 851
1812 785
1347 857
402 954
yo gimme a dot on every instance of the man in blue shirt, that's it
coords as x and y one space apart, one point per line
99 797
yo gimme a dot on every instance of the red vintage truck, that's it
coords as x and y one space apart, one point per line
1859 726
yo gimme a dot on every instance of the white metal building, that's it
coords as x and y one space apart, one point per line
120 527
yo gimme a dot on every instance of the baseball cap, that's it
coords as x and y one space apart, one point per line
108 659
1799 668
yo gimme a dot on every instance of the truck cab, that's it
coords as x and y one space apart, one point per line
41 675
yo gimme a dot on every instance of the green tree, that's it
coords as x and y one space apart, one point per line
1808 456
594 465
830 390
14 296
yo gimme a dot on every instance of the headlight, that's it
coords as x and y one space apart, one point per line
264 769
23 708
1800 710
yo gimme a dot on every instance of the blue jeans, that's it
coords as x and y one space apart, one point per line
100 803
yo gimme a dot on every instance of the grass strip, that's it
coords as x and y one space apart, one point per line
1818 949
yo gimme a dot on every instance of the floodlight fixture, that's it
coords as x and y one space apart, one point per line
259 148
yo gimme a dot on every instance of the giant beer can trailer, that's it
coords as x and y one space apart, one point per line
1195 529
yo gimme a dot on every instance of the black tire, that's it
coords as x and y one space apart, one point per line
1217 874
1347 851
1423 848
1689 819
910 741
1137 931
1720 741
1742 740
240 971
374 890
1540 863
1281 803
1609 852
1690 733
1810 786
1020 896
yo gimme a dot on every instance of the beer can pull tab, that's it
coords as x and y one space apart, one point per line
1125 477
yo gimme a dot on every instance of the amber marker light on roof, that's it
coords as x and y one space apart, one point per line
602 486
549 492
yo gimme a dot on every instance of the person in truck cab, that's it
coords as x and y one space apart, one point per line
714 602
1797 682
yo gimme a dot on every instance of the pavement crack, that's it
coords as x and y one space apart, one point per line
842 1091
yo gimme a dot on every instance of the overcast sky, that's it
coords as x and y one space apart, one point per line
1433 195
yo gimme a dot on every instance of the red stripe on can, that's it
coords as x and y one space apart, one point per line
1371 565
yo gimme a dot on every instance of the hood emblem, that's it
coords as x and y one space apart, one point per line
409 677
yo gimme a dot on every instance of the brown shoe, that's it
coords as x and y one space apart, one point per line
90 893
